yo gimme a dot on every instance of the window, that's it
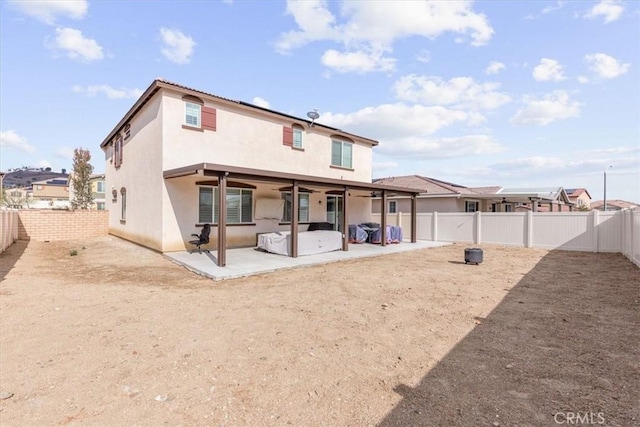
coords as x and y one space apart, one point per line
393 206
192 114
508 207
341 154
100 206
297 137
117 150
303 207
100 186
123 212
239 205
470 206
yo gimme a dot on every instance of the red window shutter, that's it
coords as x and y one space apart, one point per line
208 118
287 136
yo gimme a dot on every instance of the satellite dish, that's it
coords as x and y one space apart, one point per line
313 115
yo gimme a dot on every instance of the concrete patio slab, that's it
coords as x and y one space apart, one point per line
250 261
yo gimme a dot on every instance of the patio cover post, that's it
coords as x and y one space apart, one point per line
345 227
383 219
294 219
414 218
222 219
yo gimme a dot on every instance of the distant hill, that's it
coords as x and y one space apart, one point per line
25 177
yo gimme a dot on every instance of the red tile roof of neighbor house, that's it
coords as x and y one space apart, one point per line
434 186
576 192
621 204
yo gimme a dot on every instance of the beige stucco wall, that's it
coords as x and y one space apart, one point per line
254 141
141 175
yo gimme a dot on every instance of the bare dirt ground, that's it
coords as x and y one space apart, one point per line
119 335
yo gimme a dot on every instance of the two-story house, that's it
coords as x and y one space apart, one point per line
51 193
181 158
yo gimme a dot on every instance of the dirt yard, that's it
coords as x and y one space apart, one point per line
120 335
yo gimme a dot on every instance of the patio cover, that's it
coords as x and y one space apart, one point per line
225 172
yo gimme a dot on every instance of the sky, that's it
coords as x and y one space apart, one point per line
507 93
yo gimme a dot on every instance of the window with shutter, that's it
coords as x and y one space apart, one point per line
239 205
287 136
209 118
192 114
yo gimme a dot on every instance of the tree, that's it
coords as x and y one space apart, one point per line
81 179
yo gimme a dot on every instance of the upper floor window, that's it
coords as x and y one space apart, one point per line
239 205
341 154
100 186
192 115
118 149
297 137
470 206
303 207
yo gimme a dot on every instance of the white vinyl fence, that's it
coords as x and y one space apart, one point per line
594 231
8 228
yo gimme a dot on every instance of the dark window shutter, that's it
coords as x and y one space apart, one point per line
287 136
208 118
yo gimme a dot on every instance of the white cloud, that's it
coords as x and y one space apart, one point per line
75 45
397 120
384 166
10 140
42 164
611 10
439 148
177 47
605 66
460 92
423 56
48 11
550 108
64 152
583 79
494 67
260 102
548 70
111 93
368 29
358 62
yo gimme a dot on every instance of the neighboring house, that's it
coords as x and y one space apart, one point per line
580 197
180 157
52 193
17 198
97 184
98 189
613 205
441 196
435 196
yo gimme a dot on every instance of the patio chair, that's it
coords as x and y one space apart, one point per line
203 239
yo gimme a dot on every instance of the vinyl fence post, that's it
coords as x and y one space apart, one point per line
594 230
434 226
478 221
529 226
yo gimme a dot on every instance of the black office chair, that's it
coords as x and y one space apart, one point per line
203 238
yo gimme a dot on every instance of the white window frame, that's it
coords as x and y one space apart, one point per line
345 161
192 116
297 137
100 187
467 204
245 214
303 211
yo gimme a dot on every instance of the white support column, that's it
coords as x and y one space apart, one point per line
478 221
